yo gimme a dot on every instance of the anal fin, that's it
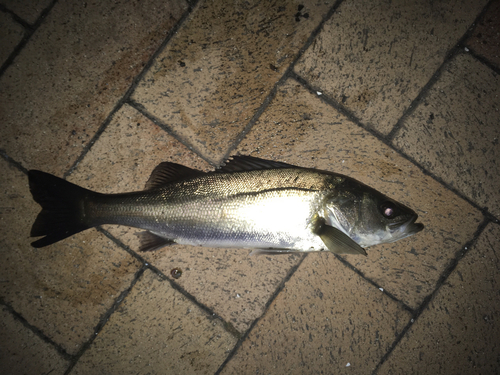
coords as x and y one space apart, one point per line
150 241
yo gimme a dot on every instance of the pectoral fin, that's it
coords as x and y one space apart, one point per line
335 240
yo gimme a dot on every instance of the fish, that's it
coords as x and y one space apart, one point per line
264 205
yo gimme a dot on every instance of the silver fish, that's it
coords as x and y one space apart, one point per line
248 203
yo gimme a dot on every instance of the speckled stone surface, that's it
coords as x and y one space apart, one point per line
316 326
466 155
82 59
485 40
157 330
374 57
23 352
218 70
299 128
459 332
11 34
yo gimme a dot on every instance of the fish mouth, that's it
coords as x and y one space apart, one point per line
410 227
406 228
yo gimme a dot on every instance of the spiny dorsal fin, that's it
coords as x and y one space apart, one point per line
242 163
168 172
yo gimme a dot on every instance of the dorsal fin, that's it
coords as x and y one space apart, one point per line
168 172
242 163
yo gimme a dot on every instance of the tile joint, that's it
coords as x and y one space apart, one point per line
166 128
29 30
373 283
12 162
37 331
271 299
104 319
211 315
450 55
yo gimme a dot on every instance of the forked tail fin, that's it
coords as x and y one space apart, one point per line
62 208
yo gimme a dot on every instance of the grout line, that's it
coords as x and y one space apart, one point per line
159 50
37 331
384 290
288 73
126 97
337 106
212 315
271 299
166 128
469 34
17 18
351 117
450 55
423 93
28 33
12 162
452 265
104 319
482 59
94 138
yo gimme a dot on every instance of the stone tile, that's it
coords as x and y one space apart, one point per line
11 34
80 61
29 10
326 320
65 288
485 39
454 132
221 65
230 283
458 333
157 330
23 352
374 57
300 129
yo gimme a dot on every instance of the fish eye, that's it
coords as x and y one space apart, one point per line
389 210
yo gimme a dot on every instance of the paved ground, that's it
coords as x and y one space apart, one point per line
403 96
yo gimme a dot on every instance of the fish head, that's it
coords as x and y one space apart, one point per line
368 216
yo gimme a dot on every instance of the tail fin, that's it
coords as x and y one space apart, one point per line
62 208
